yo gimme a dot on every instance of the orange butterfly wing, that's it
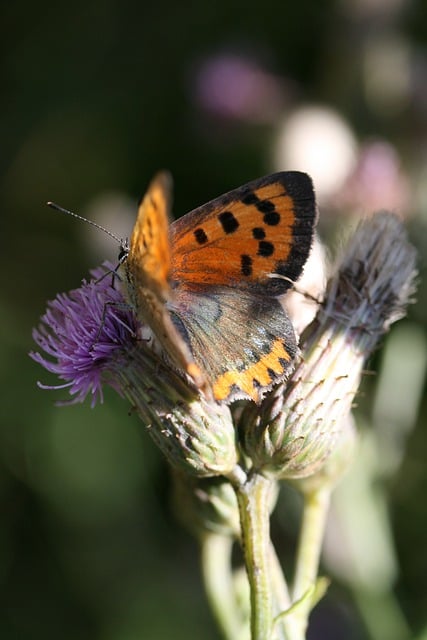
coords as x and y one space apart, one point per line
255 237
148 261
147 269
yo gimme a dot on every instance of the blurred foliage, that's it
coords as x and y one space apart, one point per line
97 96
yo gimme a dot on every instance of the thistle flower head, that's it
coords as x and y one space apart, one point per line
300 424
375 280
81 333
89 338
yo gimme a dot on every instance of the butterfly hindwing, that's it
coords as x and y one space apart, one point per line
245 236
245 343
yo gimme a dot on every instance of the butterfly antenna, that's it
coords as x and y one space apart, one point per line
124 244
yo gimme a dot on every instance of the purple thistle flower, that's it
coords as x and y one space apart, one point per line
90 337
81 333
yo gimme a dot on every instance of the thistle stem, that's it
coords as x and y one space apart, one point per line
284 625
254 499
217 574
316 506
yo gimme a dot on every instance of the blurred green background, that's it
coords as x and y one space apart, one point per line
97 96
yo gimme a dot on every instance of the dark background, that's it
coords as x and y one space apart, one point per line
97 96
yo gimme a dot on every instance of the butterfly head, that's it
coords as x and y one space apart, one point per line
123 251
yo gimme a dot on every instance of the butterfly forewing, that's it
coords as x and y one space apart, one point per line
246 236
148 262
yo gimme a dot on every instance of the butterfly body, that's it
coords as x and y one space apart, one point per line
207 284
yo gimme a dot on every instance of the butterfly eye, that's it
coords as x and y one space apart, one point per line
124 251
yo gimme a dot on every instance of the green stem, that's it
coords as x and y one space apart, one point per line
284 625
254 501
316 505
282 598
217 573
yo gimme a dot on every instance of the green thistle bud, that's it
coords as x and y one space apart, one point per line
196 435
206 505
300 423
336 464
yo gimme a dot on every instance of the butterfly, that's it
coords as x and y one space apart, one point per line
208 283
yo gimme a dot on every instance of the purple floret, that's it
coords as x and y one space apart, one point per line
81 332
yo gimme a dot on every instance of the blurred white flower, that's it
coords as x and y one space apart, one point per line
317 140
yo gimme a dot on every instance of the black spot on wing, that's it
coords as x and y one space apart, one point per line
228 222
285 363
265 249
249 198
272 217
256 384
265 206
258 233
246 265
200 235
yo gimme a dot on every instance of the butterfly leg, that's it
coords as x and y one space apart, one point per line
108 306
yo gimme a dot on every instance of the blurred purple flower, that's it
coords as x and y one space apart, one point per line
81 333
237 87
378 181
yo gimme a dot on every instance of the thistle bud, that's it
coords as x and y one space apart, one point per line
206 505
336 464
195 434
299 424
